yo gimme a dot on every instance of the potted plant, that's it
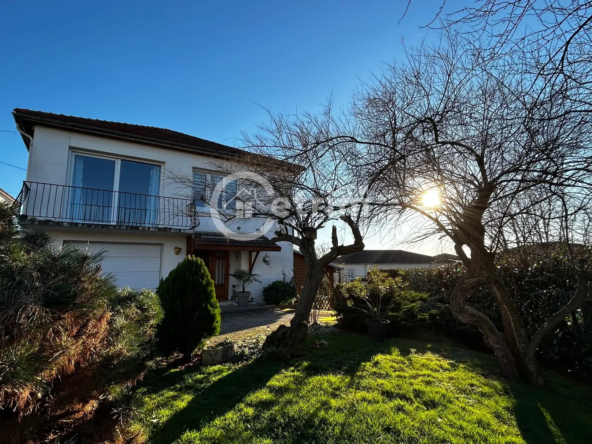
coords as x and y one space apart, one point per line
377 323
244 279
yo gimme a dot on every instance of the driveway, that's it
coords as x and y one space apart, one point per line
238 325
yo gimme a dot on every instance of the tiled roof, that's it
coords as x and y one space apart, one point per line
125 131
332 264
386 257
219 240
5 196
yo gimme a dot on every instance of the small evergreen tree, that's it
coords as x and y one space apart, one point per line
191 311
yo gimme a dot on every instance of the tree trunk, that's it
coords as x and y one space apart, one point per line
513 355
284 341
314 279
471 316
516 334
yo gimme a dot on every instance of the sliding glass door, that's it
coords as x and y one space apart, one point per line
139 184
91 195
114 191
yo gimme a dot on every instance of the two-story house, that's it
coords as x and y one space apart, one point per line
102 185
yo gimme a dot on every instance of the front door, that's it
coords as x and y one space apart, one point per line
219 271
217 262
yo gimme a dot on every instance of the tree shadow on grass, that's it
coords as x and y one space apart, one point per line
543 415
559 412
214 400
220 397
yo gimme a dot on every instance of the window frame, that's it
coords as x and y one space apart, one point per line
209 188
73 152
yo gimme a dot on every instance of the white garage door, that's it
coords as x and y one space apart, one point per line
133 265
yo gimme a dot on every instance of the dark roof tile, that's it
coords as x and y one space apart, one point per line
386 257
126 131
214 240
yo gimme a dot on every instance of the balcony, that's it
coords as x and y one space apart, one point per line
63 204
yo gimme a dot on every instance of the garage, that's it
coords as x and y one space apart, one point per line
133 265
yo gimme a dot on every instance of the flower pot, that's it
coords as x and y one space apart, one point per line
242 298
217 355
377 329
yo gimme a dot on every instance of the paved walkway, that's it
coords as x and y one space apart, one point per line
244 324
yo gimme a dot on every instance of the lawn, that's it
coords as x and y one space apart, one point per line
347 389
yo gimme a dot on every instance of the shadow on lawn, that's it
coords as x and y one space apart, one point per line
214 400
548 414
225 393
543 414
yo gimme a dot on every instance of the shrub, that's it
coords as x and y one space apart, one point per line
61 321
279 292
541 280
191 311
406 311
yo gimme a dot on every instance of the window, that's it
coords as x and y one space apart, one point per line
113 190
204 184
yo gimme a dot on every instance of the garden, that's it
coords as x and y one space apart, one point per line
84 361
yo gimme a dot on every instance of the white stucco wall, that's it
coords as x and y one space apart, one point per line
280 263
360 270
50 163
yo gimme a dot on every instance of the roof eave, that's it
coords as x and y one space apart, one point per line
86 129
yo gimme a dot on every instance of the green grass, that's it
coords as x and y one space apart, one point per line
355 391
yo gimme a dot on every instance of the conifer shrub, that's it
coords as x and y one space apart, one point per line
191 311
71 343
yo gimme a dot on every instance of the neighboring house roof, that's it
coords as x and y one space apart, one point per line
217 241
445 257
150 135
386 257
5 196
332 264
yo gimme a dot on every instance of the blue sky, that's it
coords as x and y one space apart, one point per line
203 68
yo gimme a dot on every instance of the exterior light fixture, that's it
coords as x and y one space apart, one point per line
177 250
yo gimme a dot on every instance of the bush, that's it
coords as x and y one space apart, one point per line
61 321
407 311
279 292
191 311
541 280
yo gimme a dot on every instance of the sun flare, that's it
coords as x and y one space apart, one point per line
431 198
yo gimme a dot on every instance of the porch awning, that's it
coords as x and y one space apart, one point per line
217 241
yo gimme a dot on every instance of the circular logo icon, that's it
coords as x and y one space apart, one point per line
242 204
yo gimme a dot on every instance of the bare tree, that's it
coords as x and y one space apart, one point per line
318 192
301 182
561 30
492 156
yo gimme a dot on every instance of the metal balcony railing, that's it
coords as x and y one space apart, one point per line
69 204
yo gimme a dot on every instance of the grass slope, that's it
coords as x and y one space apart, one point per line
355 391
